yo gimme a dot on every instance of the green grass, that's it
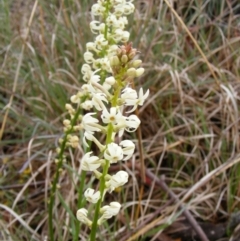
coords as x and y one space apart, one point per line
189 123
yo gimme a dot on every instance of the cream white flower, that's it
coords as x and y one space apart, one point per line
87 105
91 46
128 148
111 117
88 57
117 35
87 77
130 98
128 8
95 26
111 20
112 51
94 78
111 210
129 94
108 211
100 42
118 10
117 180
90 163
113 153
105 64
82 216
98 9
130 124
86 68
97 101
91 195
89 123
86 88
120 23
123 8
91 137
125 36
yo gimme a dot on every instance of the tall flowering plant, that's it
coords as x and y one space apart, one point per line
109 100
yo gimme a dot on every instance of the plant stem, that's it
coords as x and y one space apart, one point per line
80 199
57 173
102 187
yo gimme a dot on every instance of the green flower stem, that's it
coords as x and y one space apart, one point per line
115 98
108 140
80 201
102 187
57 173
80 196
105 17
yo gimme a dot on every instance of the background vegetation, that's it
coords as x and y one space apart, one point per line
190 123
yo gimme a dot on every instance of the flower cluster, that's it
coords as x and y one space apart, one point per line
108 72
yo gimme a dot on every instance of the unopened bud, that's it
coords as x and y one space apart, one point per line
136 63
132 54
139 72
114 61
131 72
110 80
73 141
124 59
74 99
60 141
66 122
68 107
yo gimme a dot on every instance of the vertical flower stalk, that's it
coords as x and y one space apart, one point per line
109 99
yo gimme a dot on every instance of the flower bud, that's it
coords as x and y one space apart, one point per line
136 63
66 122
68 107
73 141
110 80
114 61
60 141
139 72
132 53
131 72
124 59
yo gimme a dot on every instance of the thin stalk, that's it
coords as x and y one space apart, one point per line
57 173
80 193
102 187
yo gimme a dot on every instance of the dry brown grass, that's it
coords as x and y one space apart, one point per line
190 123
